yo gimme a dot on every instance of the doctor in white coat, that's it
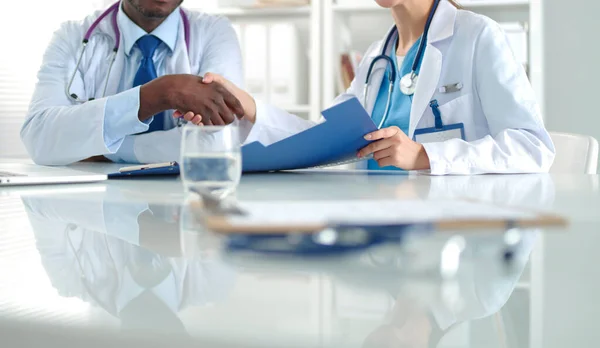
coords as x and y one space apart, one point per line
86 105
470 108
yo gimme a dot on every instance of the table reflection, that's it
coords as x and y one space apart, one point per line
138 262
124 257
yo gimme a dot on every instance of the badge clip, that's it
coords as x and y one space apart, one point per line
455 87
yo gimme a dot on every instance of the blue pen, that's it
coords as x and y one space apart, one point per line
435 108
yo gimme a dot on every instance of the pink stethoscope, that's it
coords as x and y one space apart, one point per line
113 10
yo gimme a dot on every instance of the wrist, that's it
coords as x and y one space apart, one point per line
167 94
155 96
252 110
422 162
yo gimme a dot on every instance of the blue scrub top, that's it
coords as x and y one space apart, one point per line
401 104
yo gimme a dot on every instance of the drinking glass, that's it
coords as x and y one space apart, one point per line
211 158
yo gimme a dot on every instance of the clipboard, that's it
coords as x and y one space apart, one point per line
228 225
156 169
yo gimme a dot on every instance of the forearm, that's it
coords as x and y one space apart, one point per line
155 147
59 135
272 124
511 151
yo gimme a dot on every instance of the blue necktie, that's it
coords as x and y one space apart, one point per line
147 72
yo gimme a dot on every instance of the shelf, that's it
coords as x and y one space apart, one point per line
279 12
474 5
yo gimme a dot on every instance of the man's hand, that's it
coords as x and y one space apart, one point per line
393 148
215 103
248 103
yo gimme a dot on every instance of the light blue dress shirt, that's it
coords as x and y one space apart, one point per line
117 127
401 104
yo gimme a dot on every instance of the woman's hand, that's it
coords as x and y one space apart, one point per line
248 103
391 147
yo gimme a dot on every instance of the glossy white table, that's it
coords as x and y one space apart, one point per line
118 264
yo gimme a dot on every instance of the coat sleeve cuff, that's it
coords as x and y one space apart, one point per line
439 163
125 153
121 118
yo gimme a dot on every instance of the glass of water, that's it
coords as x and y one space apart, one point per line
211 158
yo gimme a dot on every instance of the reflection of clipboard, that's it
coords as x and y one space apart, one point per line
476 216
168 168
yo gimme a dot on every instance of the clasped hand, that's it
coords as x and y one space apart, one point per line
391 147
245 103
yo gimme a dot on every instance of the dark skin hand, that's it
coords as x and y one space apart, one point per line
214 102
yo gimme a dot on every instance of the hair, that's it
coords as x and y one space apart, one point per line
455 4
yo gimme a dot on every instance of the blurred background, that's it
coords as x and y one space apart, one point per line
303 52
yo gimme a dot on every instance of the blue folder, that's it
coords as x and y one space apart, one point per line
337 139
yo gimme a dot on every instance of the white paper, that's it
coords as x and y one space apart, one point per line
370 212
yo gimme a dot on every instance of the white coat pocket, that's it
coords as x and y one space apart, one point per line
459 110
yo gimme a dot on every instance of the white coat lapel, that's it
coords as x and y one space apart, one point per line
378 73
105 27
179 62
442 27
115 73
374 85
428 81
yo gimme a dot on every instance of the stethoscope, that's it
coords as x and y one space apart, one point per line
408 82
113 11
83 277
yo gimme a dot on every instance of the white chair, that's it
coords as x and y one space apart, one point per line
574 153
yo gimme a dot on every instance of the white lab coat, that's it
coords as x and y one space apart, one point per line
58 131
503 127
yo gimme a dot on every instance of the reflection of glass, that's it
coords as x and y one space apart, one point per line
211 158
196 241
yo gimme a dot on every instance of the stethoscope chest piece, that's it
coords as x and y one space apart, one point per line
408 83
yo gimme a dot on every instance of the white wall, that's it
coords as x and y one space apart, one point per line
566 53
36 21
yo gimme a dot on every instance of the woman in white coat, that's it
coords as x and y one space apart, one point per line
473 109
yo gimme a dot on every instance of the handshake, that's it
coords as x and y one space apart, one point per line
208 100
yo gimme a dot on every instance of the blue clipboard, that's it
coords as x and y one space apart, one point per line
171 168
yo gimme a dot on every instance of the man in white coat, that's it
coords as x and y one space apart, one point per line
88 110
